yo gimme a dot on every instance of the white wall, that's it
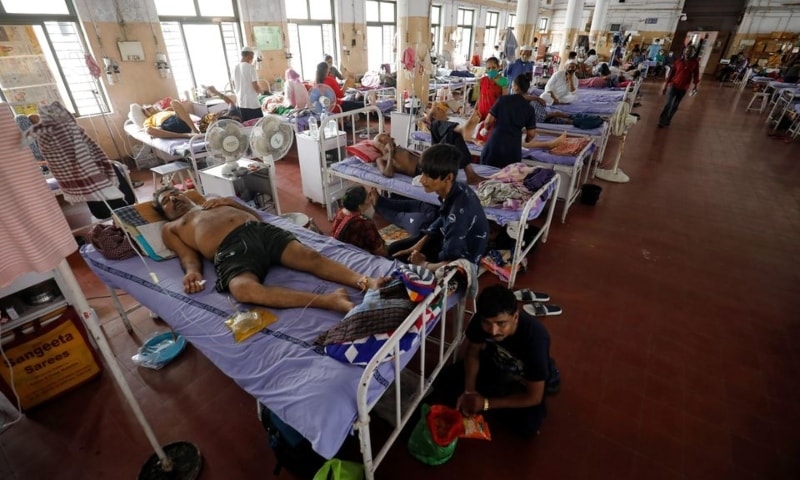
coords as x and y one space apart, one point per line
767 16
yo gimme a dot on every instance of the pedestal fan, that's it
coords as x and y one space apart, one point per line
620 123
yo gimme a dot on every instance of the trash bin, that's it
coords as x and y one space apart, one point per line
590 193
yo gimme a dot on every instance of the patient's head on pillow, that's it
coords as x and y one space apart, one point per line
171 203
383 141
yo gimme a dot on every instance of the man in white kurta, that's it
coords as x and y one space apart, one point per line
562 86
245 84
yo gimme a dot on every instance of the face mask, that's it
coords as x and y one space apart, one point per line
369 212
492 73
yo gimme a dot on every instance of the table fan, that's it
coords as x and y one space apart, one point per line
322 98
271 138
228 139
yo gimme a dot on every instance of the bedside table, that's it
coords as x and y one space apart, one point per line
255 186
212 105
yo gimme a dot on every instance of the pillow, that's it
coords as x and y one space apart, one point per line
365 151
570 147
143 223
361 351
419 282
381 311
137 115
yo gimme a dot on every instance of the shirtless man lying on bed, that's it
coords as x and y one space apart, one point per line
399 159
243 248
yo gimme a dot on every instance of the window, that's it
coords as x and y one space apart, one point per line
490 37
512 20
543 24
311 21
436 29
463 38
44 59
380 17
202 40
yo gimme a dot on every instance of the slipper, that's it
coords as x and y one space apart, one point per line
537 309
527 296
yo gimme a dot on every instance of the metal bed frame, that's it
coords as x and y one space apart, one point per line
515 230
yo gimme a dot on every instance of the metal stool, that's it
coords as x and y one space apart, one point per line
764 99
165 173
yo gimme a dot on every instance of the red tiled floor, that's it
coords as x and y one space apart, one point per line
677 347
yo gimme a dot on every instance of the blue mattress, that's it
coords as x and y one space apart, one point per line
538 154
401 184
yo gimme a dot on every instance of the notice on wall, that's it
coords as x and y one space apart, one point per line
25 78
49 362
268 38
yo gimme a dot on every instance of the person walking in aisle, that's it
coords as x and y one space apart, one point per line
684 72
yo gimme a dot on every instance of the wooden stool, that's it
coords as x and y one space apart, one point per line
163 174
764 99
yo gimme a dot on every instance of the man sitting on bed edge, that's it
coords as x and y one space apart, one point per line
243 248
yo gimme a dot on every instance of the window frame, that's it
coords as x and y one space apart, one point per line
460 14
298 49
436 30
383 25
493 31
40 20
198 19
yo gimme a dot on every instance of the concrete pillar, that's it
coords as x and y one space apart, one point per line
572 27
598 28
526 27
413 30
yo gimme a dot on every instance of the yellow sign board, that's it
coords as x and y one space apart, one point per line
49 363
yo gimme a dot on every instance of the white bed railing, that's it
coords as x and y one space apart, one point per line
332 186
392 348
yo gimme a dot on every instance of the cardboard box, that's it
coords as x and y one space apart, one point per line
48 362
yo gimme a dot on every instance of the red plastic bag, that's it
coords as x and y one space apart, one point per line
446 424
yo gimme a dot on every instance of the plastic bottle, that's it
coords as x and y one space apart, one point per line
331 129
313 128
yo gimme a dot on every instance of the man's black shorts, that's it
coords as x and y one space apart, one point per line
176 125
252 247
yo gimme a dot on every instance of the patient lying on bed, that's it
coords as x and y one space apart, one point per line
243 248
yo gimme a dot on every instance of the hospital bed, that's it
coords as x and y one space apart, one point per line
598 135
324 399
569 168
168 149
597 101
515 220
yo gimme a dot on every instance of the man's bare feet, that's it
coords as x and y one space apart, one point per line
337 301
559 139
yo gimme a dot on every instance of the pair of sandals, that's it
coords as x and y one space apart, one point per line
534 303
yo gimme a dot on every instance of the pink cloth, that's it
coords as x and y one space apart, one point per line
34 234
593 82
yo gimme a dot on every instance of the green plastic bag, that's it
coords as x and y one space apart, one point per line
335 469
421 444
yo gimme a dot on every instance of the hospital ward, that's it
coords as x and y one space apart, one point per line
399 239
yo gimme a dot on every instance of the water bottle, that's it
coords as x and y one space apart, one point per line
331 129
313 129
